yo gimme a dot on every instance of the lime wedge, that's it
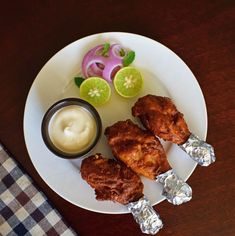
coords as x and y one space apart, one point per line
128 82
95 90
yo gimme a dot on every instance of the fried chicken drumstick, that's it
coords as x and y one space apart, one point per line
143 153
160 116
111 180
137 148
116 182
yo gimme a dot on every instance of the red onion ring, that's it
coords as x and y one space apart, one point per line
115 51
95 70
109 67
111 62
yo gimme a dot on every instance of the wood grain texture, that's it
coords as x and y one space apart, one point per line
202 33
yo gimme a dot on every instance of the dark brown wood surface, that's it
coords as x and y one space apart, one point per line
202 33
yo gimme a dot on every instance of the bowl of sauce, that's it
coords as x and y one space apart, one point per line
71 128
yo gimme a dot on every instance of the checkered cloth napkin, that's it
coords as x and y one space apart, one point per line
24 210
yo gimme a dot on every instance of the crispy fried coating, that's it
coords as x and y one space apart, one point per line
137 148
111 180
160 116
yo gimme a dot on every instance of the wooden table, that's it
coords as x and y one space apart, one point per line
202 33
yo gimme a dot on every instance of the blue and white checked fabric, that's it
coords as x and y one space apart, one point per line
24 210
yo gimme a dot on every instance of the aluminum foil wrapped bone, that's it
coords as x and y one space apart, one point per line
200 151
145 216
175 189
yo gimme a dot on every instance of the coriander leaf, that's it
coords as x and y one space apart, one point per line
78 80
122 52
129 58
105 49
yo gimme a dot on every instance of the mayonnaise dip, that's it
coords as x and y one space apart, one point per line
72 129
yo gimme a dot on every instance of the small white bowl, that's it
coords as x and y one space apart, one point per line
56 107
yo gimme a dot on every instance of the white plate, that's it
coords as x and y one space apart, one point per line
164 74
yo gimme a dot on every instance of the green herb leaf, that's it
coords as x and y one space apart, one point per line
129 58
122 52
105 49
78 80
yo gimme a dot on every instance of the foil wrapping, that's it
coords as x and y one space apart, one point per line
200 151
175 189
145 216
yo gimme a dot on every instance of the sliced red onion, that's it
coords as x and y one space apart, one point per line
115 51
88 57
91 61
94 64
96 70
114 71
110 67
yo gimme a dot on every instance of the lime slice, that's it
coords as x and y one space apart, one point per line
128 82
95 90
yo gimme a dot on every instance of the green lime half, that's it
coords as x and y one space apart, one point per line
95 90
128 82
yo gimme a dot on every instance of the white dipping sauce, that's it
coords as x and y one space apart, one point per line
72 129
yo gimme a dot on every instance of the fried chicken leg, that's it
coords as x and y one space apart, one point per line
111 180
160 116
137 148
